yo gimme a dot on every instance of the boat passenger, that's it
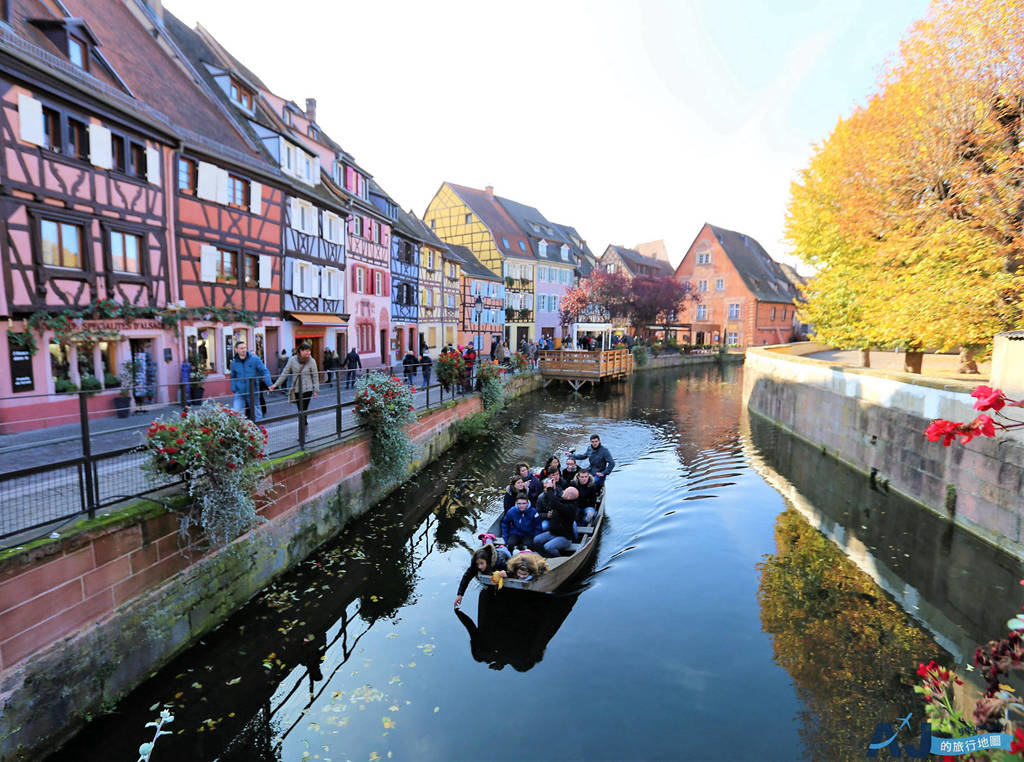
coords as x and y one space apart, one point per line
533 486
515 488
489 558
570 471
553 468
600 459
584 484
527 566
561 517
519 524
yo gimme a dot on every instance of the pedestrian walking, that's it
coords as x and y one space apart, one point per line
426 367
247 368
305 380
409 363
352 362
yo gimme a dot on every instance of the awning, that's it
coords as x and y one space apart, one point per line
592 326
313 318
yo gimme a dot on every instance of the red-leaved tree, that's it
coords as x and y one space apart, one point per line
658 301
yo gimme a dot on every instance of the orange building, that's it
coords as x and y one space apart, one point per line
746 298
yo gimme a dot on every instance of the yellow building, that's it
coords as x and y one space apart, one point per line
476 219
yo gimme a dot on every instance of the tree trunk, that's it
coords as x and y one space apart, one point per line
967 362
865 357
912 361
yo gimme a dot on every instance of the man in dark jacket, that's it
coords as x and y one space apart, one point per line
426 367
519 524
352 362
599 458
585 485
409 363
560 514
247 368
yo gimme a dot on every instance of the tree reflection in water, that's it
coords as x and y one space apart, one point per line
852 652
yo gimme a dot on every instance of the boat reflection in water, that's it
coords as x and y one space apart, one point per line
514 627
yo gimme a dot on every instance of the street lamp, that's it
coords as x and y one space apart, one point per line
478 304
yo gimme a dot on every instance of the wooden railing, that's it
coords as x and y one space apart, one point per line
606 363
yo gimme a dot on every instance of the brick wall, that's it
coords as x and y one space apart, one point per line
102 608
875 420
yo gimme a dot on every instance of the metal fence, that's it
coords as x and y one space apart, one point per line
67 470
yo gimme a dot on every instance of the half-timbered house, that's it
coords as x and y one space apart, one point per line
483 297
406 307
431 286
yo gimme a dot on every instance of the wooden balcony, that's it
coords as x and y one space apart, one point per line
578 368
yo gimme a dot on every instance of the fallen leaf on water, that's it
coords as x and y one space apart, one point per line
411 664
374 598
394 708
388 722
437 709
374 756
314 726
155 707
234 681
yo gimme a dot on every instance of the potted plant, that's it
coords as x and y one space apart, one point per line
64 386
123 401
91 385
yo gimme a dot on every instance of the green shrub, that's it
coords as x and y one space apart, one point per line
91 384
639 356
64 386
111 381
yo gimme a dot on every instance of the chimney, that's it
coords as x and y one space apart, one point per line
490 190
157 7
311 109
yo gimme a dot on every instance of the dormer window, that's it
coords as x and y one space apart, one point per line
241 95
77 52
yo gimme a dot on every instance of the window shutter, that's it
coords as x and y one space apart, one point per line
314 280
153 165
206 185
354 284
256 198
207 263
99 146
297 278
266 271
316 171
30 120
222 186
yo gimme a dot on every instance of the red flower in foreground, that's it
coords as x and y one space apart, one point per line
982 426
942 429
1017 746
989 398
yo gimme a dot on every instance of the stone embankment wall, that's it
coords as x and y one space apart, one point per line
874 421
673 360
86 618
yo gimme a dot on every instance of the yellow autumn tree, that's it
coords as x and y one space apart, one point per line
911 211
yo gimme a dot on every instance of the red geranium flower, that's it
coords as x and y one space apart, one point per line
1017 745
989 398
942 429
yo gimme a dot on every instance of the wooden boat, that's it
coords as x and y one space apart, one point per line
563 568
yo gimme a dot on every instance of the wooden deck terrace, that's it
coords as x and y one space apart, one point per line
577 368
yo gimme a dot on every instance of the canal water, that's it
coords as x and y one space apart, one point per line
719 619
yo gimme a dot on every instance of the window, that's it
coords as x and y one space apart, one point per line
378 282
356 226
238 192
610 268
227 266
76 52
432 224
783 313
542 272
331 283
469 218
703 257
124 252
360 280
451 300
565 253
430 260
78 139
702 312
734 312
451 269
51 130
250 270
332 227
377 232
522 246
732 339
138 160
188 173
720 284
504 242
773 313
702 285
117 153
62 243
241 95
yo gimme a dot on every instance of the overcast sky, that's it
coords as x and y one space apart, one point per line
629 120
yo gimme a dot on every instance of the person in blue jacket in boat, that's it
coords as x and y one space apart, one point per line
519 524
599 458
